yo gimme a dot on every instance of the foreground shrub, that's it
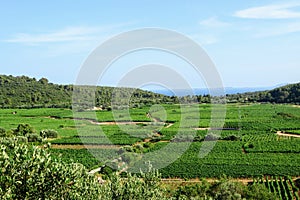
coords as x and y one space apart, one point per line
12 141
2 132
29 173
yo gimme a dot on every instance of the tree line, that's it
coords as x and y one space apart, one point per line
26 92
285 94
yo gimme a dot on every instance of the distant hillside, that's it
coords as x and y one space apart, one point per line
25 92
285 94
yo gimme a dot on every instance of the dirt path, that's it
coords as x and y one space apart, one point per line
280 133
296 106
202 129
93 121
69 146
169 125
117 123
210 180
209 128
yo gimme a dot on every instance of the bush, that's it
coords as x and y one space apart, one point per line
48 134
22 139
138 148
23 130
148 145
232 138
297 183
259 191
211 137
249 145
32 137
192 191
2 132
30 173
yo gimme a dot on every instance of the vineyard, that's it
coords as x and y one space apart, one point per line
247 146
283 187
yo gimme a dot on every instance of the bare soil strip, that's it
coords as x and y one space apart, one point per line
296 106
169 125
117 123
280 133
209 128
210 180
67 146
202 129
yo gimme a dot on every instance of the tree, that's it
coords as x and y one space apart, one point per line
30 173
44 81
24 129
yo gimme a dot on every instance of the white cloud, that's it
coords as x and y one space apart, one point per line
68 34
204 39
64 35
279 30
213 22
275 11
68 40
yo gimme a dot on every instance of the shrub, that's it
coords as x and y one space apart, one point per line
22 139
148 145
30 173
232 138
259 191
48 134
2 132
24 129
32 137
211 137
10 141
138 148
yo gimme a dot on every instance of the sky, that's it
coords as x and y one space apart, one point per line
253 43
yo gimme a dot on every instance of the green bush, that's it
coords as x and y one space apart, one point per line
48 134
11 141
32 137
24 129
232 138
22 139
259 191
2 132
30 173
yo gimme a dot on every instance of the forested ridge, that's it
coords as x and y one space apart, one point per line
26 92
285 94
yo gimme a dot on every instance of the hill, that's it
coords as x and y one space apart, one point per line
26 92
285 94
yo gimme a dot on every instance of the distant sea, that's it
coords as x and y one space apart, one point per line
204 91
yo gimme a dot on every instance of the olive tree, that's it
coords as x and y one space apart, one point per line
29 172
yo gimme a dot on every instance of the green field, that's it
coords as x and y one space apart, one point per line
248 147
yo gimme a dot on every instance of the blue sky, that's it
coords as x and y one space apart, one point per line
253 43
